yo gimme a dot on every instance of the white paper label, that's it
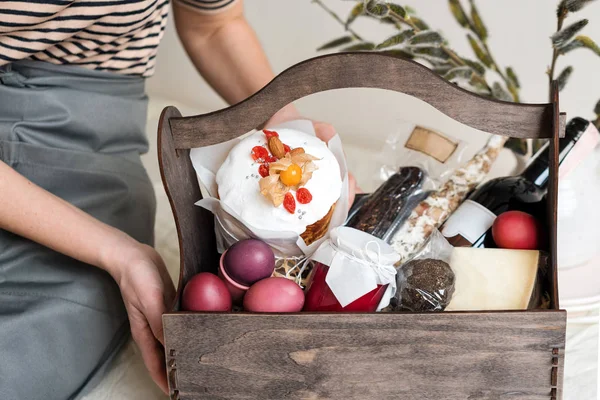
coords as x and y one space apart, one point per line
470 220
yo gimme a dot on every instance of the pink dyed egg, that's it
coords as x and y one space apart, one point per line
205 292
274 295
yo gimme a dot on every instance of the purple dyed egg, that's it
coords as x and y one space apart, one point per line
249 261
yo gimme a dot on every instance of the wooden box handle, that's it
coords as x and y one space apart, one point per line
363 70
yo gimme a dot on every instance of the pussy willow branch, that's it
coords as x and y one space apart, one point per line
454 58
337 18
555 54
514 93
493 61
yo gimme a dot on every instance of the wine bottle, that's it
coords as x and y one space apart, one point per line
470 224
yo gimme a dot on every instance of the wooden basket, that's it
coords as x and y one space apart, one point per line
449 355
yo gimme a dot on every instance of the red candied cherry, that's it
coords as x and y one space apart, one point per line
270 134
303 196
289 203
259 153
263 170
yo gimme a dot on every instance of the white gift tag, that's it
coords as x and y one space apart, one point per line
349 280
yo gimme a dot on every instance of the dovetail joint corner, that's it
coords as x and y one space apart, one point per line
554 373
172 374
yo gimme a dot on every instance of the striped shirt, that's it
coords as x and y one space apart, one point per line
120 36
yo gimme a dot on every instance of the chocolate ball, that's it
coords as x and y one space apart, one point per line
425 285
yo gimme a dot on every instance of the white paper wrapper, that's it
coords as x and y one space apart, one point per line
358 262
229 228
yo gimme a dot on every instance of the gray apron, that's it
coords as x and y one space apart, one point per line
78 134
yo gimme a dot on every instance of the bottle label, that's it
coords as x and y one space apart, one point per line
468 223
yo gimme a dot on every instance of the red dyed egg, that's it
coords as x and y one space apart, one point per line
516 230
205 292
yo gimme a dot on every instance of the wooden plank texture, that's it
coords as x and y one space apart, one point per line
364 70
197 244
365 356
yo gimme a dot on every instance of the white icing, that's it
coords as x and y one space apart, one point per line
243 195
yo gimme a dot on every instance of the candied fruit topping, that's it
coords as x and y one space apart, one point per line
270 134
263 170
259 153
289 203
303 196
291 176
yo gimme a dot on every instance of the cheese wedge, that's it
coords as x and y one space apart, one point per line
493 279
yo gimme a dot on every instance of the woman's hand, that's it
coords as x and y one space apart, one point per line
147 291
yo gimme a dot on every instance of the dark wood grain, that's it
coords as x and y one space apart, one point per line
363 70
552 196
367 356
197 244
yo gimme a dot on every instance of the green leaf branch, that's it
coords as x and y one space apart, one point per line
416 40
479 43
564 40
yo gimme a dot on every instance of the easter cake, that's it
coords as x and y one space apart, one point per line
284 181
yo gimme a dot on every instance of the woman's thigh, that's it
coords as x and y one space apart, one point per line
62 320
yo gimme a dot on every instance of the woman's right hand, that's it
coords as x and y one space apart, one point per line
147 291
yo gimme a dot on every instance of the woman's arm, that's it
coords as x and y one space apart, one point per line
36 214
32 212
226 52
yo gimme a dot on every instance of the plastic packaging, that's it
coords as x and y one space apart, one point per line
383 212
426 282
436 153
437 207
